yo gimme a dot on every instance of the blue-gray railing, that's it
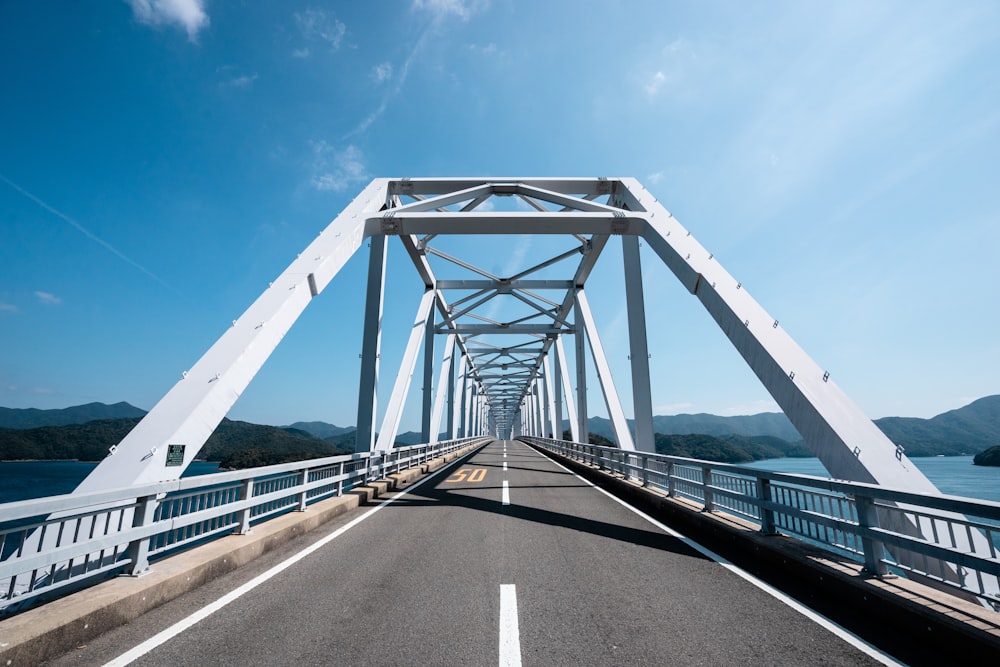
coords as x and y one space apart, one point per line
948 539
49 544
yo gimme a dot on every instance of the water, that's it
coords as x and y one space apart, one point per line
953 475
22 480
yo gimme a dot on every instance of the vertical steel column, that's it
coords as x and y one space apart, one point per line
551 389
460 417
444 385
583 430
425 421
371 346
642 402
557 386
452 413
611 400
574 425
394 411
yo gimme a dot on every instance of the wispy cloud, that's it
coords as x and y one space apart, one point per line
7 307
337 170
318 26
462 9
187 14
655 178
86 232
244 81
382 72
654 84
48 298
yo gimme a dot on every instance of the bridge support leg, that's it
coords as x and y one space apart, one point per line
567 386
642 402
553 424
611 400
445 384
425 422
394 411
583 430
371 344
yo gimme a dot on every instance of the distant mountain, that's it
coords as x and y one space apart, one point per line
967 430
234 443
320 430
773 424
79 414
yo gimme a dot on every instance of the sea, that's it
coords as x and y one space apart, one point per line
954 475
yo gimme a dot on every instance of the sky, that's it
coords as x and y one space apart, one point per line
161 161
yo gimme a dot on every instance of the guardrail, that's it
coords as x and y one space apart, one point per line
948 539
50 545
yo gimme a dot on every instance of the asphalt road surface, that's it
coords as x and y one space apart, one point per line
501 558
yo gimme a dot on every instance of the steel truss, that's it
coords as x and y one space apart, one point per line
507 376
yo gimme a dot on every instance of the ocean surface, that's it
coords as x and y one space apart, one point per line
23 480
954 475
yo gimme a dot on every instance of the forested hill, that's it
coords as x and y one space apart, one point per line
23 418
236 444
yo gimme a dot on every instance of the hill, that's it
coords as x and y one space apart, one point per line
22 418
963 431
321 430
234 443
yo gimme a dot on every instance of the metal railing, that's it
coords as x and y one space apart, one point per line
51 545
948 539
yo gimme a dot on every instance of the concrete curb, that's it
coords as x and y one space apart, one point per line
932 625
59 626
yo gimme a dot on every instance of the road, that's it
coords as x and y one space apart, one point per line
448 574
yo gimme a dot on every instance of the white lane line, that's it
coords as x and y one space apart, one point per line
824 622
505 466
206 611
510 637
506 493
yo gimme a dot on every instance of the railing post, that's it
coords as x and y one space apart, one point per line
246 493
766 513
645 469
671 485
302 493
868 518
138 550
706 487
340 482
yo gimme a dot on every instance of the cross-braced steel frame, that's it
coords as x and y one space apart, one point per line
508 376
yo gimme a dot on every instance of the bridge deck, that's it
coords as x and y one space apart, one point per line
419 582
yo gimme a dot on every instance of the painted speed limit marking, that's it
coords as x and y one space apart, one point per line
467 475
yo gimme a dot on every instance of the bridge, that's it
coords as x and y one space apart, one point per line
491 541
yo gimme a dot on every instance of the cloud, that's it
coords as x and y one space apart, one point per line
7 307
487 50
319 26
187 14
382 72
655 83
48 298
439 9
655 178
337 170
244 81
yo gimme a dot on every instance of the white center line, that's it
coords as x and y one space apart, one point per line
506 493
510 637
505 466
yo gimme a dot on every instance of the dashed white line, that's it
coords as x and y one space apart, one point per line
505 466
506 493
510 636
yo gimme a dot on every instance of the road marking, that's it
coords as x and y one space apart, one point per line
505 466
206 611
824 622
510 637
506 493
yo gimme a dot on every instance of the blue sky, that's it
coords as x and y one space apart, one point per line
162 160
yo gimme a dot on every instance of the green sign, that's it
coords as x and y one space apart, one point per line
175 455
